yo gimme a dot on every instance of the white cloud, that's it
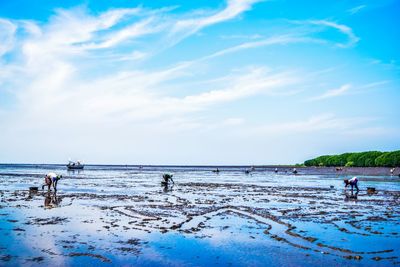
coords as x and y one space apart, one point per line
356 9
319 123
345 89
7 31
136 30
246 85
282 39
233 121
352 38
186 27
242 36
322 26
333 93
374 84
139 105
232 10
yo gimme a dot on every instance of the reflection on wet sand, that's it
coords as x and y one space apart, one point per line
167 188
349 195
51 200
75 172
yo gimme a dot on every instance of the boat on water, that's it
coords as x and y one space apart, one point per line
72 165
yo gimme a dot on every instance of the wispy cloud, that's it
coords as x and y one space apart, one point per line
275 40
232 10
253 83
320 26
374 84
352 38
242 36
323 122
130 32
7 31
333 93
356 9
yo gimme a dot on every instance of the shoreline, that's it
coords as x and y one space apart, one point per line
286 169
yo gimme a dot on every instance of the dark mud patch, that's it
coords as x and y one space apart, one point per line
36 259
96 256
6 258
48 221
131 246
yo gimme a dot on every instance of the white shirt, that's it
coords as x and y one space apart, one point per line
353 180
51 175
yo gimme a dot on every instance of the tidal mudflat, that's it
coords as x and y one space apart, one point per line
122 216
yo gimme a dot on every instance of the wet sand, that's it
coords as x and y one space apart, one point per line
125 217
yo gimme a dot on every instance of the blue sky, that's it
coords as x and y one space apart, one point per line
197 82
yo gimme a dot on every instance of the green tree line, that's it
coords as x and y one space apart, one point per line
358 159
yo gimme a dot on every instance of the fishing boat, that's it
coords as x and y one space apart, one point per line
72 165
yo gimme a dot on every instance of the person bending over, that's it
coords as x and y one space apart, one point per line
51 179
166 179
352 182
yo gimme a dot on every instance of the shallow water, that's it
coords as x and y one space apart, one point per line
120 215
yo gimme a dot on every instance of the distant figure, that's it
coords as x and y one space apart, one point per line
216 171
51 179
352 182
166 178
294 171
276 170
392 171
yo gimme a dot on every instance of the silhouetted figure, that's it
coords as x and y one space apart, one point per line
352 182
166 179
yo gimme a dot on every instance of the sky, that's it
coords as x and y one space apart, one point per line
197 82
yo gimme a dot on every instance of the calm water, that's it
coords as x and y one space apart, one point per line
120 215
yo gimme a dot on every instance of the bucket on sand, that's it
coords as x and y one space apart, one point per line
371 190
33 188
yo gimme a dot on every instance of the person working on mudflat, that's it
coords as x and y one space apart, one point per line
51 179
167 178
352 182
